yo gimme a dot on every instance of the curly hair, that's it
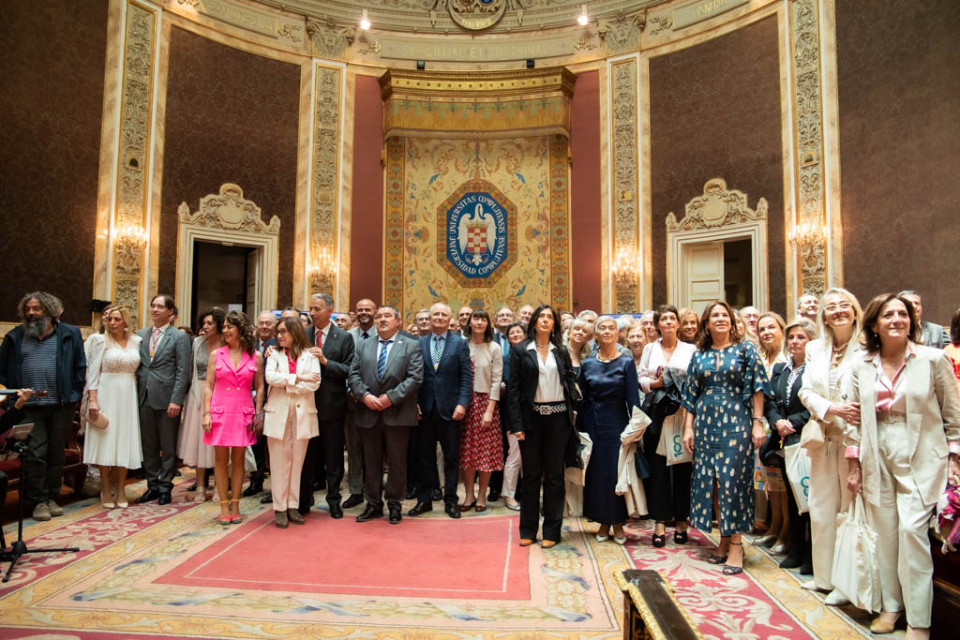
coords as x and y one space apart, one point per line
218 315
127 316
52 306
244 328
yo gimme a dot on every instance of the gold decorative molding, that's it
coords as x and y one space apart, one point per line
468 105
264 22
626 183
325 195
622 33
328 39
133 155
717 207
228 210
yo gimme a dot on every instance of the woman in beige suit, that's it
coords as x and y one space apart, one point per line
290 416
901 452
829 362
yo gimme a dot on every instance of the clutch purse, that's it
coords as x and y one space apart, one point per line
811 437
102 421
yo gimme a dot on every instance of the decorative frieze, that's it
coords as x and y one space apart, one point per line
329 40
325 196
626 230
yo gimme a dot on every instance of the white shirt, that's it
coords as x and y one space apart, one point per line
325 331
653 358
549 388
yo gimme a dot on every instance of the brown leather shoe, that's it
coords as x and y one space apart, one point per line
526 542
548 544
280 519
294 516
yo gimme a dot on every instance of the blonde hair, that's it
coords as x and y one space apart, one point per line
127 316
778 319
826 331
585 347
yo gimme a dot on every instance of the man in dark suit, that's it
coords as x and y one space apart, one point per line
266 330
365 330
334 348
385 376
444 398
162 380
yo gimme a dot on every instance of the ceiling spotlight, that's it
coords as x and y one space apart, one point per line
583 19
364 21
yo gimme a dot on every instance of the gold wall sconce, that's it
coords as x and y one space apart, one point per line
807 233
625 266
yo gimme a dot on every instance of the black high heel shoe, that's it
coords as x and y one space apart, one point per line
680 537
659 540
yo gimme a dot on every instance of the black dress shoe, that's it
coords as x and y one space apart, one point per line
452 510
148 496
395 516
255 487
164 498
437 495
370 513
193 487
493 496
422 507
352 501
266 498
336 512
411 492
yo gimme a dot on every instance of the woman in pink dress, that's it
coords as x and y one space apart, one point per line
234 372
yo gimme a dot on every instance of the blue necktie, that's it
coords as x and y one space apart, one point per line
382 359
437 351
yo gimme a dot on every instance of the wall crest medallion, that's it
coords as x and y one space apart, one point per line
476 234
228 210
475 15
717 207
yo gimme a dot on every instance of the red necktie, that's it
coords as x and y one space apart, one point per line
320 339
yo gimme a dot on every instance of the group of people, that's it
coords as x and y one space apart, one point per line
716 401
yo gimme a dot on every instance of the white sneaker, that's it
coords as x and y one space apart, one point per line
810 585
835 599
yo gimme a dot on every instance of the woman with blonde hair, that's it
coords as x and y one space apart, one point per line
830 361
112 385
768 476
290 416
636 342
577 340
689 325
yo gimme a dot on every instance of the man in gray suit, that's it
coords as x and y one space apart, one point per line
934 335
162 381
385 376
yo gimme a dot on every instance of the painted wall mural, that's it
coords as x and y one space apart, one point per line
478 222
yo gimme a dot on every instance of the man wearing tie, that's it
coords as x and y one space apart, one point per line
162 380
502 320
334 348
364 310
444 398
385 377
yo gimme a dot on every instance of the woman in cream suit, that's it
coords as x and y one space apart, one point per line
829 362
899 454
290 416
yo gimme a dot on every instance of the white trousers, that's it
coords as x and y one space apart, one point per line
828 496
286 462
901 521
511 468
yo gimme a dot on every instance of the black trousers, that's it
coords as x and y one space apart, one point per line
158 436
433 428
333 438
388 442
542 455
3 501
259 449
43 464
667 487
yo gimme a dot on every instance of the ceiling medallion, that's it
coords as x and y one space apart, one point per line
475 15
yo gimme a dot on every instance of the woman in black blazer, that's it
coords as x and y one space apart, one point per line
787 415
541 400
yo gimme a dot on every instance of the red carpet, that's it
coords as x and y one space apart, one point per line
472 558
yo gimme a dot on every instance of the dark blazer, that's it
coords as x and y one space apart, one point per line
165 379
401 381
331 397
781 407
452 383
262 347
71 363
524 378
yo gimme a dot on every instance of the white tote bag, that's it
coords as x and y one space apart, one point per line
670 444
855 570
798 473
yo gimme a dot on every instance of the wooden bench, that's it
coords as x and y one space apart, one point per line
650 610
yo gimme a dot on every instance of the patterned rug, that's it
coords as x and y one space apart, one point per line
173 572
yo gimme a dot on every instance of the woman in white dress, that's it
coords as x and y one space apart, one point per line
190 446
112 384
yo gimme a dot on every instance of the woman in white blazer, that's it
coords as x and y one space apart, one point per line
290 416
829 363
901 453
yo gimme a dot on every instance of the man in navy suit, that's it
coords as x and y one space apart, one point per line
444 398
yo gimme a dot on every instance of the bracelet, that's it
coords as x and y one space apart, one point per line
756 419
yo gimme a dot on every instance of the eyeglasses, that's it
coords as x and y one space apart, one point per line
843 306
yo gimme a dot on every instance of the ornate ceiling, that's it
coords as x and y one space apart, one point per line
443 17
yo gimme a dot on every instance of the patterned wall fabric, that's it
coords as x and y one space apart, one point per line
231 117
715 112
51 105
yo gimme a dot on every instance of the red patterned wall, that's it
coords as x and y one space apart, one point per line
715 112
898 69
51 105
231 116
366 235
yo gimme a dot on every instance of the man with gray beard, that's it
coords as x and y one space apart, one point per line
45 355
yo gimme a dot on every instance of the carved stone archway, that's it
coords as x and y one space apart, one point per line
227 218
719 215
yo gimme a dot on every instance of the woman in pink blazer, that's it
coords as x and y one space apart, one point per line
290 417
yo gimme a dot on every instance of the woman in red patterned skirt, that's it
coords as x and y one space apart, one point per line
481 441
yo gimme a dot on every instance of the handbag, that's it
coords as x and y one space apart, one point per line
855 570
798 474
811 437
670 445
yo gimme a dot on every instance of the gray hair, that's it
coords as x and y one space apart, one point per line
584 313
326 297
396 312
624 322
909 292
799 323
51 304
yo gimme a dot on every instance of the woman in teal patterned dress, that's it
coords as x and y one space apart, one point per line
724 393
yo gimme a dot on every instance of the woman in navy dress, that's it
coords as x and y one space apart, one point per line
608 384
726 384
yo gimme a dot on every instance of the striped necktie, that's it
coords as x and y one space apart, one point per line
382 359
437 351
